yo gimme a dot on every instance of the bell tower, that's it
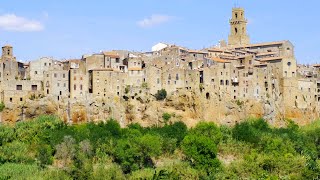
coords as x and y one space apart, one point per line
7 53
238 23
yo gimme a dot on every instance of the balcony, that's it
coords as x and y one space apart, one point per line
235 81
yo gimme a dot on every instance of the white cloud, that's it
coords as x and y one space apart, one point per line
11 22
154 20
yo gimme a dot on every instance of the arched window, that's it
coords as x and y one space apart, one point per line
236 30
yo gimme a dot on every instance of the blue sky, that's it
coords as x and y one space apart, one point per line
71 28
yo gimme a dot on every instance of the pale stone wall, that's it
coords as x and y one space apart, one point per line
38 67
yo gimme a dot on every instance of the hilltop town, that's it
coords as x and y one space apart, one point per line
225 84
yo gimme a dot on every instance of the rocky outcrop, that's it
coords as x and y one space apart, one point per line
186 106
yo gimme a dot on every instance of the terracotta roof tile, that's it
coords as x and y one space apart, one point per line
262 44
111 54
271 59
219 60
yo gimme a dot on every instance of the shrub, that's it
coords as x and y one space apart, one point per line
166 117
209 130
2 106
136 153
17 171
201 152
16 152
161 95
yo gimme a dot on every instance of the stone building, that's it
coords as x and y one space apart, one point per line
264 75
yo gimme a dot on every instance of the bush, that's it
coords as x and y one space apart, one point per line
2 106
161 95
166 117
136 153
209 130
16 152
17 171
201 152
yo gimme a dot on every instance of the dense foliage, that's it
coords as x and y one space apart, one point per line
161 95
46 148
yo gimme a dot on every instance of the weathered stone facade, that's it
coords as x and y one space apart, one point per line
225 83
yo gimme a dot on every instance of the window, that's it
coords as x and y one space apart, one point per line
169 77
289 63
21 99
81 87
135 63
158 81
236 30
10 99
34 87
64 84
75 78
75 87
177 77
58 84
117 60
36 72
221 82
227 82
45 64
19 87
55 75
64 75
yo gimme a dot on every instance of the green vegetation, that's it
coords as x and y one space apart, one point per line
46 148
161 95
127 89
2 106
166 117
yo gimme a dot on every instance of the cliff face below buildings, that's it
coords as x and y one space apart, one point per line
189 107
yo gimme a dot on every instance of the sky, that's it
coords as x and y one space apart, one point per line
66 29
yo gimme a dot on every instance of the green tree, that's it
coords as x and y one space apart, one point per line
44 155
201 152
209 130
136 153
161 95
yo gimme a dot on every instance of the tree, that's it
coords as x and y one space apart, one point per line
201 152
66 151
44 155
136 153
209 130
161 95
